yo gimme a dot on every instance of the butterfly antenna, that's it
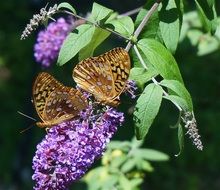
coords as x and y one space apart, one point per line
29 117
27 128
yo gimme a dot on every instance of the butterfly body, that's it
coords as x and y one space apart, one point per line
104 76
54 102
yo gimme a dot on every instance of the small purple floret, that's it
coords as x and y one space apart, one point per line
49 41
70 148
131 88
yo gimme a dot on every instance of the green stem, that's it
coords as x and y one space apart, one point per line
134 11
143 23
153 79
95 24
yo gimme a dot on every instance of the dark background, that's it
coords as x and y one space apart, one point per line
191 170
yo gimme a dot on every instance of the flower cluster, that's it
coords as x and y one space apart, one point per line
37 20
49 41
69 148
192 130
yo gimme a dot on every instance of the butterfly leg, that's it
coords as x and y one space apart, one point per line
47 129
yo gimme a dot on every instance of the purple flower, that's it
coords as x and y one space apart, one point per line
49 41
131 88
69 149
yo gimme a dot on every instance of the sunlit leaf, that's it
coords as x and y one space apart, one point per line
75 42
160 58
99 13
123 25
178 100
146 109
136 182
151 155
98 37
67 6
118 161
128 165
151 30
179 89
144 165
124 182
124 146
207 45
170 24
141 75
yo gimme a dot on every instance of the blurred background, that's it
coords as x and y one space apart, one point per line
192 170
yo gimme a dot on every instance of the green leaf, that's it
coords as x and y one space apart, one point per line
113 16
177 100
100 13
94 175
75 42
144 165
170 24
160 58
136 182
66 5
124 146
180 139
151 155
208 15
136 143
123 25
128 165
98 37
135 59
207 45
102 177
141 75
124 182
152 27
179 89
180 7
146 109
109 182
194 36
118 161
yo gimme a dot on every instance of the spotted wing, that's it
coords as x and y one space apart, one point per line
105 75
55 102
43 86
91 76
64 105
118 61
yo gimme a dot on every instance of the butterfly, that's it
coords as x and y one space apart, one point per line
55 102
104 76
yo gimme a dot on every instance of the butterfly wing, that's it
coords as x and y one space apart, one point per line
64 105
43 86
118 61
105 75
93 76
55 102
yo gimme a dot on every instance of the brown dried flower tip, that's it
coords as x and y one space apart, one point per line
38 19
191 126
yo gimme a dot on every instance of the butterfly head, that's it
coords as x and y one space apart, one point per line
42 125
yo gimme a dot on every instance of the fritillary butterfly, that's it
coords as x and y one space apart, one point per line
55 102
104 76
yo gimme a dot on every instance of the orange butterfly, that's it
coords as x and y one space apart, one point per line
104 76
55 102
